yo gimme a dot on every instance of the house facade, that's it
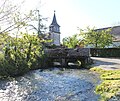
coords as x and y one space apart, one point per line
115 31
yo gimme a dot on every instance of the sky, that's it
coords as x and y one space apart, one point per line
74 14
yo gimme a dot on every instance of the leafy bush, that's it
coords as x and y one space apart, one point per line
11 68
21 55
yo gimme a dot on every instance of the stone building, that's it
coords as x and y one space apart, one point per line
54 32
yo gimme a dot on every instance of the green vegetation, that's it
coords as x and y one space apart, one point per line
110 85
19 52
97 38
71 42
19 55
92 37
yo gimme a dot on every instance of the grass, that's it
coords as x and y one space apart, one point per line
110 85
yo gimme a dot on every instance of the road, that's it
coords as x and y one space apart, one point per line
106 63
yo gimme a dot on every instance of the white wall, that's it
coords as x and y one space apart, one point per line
115 44
55 38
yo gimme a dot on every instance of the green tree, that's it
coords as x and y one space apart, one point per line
97 38
21 54
12 18
71 42
23 51
7 14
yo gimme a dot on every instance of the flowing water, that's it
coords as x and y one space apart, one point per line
51 85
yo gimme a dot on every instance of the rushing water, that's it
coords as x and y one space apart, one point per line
51 85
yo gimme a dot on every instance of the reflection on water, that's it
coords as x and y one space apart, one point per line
51 85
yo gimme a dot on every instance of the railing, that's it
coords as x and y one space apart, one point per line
105 52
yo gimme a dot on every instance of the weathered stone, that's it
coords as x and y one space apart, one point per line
68 52
65 54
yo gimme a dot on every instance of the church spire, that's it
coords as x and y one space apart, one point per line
54 31
54 21
54 26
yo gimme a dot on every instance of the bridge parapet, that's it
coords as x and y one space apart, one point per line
82 52
67 52
65 55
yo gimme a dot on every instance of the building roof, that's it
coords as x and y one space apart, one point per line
115 31
54 21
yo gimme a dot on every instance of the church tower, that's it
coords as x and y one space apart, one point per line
54 30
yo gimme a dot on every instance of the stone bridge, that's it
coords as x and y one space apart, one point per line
66 55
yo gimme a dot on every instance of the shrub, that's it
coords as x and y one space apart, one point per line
21 55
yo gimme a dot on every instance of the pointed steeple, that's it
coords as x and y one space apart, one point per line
54 26
54 21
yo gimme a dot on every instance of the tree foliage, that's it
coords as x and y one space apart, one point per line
21 54
7 14
24 51
97 38
71 42
12 19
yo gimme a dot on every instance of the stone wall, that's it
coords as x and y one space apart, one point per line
55 38
68 52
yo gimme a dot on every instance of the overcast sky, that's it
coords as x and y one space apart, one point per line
78 13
